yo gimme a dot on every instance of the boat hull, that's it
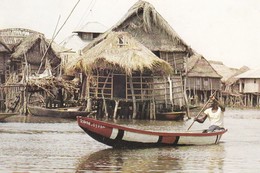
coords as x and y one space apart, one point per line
58 113
172 116
124 137
3 116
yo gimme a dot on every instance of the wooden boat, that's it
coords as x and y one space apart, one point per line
56 112
5 115
123 137
174 116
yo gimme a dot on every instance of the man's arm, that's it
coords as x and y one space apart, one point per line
202 119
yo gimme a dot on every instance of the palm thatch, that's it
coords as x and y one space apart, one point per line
234 77
223 70
198 66
4 47
148 27
13 36
34 47
127 57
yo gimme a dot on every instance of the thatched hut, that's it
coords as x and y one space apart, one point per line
34 50
230 93
122 70
148 27
229 83
4 55
13 36
83 36
202 79
29 52
9 39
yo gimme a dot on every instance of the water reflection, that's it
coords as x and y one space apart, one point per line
198 158
118 160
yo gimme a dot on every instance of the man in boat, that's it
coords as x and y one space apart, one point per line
215 113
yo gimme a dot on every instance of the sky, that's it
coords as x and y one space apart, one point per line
220 30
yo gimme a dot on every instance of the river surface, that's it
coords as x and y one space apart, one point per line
35 145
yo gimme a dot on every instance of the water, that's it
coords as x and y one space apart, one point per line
55 145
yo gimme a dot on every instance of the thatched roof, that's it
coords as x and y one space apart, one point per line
126 56
234 78
223 70
198 66
13 36
37 44
144 23
250 74
4 47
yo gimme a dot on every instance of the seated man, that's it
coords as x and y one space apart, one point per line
215 114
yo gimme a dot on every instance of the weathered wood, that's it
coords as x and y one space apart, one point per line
133 96
115 109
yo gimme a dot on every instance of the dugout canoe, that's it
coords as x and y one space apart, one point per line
171 116
119 136
5 115
56 112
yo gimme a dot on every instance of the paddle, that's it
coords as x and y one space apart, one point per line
202 109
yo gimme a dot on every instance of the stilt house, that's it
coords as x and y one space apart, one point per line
29 51
148 27
249 86
4 55
202 79
122 76
229 83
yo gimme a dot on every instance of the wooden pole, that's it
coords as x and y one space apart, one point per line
133 96
115 109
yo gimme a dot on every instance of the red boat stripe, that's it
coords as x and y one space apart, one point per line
168 140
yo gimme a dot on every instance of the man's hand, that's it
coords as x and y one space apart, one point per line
212 98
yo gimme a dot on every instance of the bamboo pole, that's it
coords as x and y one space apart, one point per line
55 35
202 109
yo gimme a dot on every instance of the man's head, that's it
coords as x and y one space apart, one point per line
214 104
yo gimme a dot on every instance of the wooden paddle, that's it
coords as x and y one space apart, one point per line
202 109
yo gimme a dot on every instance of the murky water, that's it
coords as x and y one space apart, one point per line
56 145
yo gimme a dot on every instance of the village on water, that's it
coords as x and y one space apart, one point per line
139 68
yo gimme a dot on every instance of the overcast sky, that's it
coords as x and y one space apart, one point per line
221 30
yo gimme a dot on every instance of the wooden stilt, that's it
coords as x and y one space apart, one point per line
133 96
115 109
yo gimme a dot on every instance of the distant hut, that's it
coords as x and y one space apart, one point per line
121 72
83 36
230 85
5 53
80 38
4 56
148 27
202 79
231 94
9 38
249 86
13 36
29 52
34 50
